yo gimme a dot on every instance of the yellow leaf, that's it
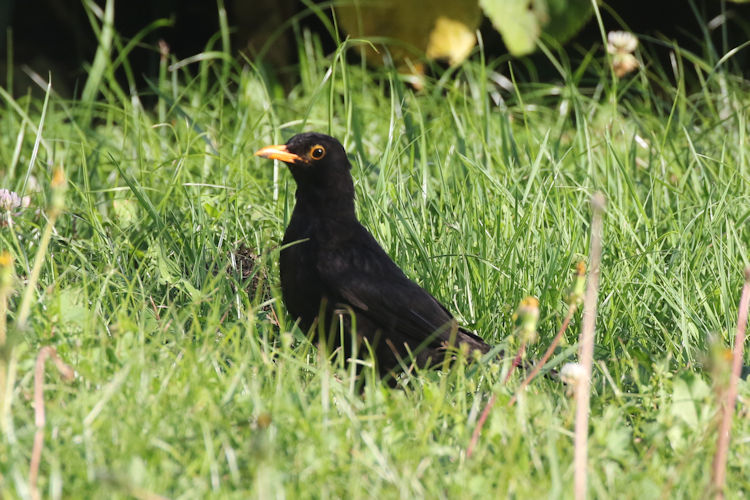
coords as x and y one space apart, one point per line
411 29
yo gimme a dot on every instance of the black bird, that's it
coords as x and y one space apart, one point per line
331 264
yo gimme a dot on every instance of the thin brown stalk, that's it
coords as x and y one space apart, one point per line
480 424
516 362
39 416
547 354
586 349
485 413
719 469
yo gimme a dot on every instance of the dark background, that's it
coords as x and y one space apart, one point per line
55 35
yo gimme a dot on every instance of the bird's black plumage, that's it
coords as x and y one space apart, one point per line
331 264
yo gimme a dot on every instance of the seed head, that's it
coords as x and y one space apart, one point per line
526 318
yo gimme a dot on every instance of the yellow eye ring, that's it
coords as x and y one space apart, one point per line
317 152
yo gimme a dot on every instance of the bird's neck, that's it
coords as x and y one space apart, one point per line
329 203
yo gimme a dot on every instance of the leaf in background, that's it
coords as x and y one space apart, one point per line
451 40
518 21
566 18
167 271
521 22
71 309
439 29
683 406
689 400
126 212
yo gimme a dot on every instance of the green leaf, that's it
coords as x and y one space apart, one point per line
566 18
167 269
71 310
144 200
683 406
126 212
522 22
518 21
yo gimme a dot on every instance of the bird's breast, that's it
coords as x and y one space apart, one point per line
301 287
313 241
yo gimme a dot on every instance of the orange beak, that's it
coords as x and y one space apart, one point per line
280 153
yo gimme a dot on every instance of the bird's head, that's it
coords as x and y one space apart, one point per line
320 168
314 159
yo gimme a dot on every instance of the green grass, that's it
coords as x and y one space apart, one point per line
191 383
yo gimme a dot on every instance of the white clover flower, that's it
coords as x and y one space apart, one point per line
621 42
572 373
9 200
11 205
624 64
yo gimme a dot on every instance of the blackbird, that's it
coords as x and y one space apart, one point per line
334 273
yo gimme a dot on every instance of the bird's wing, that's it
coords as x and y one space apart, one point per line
362 276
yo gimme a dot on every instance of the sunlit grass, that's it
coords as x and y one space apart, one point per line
191 379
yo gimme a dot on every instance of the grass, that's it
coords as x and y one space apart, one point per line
191 380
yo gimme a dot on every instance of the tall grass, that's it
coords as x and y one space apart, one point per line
192 381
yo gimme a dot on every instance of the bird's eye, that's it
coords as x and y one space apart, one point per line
317 152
